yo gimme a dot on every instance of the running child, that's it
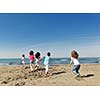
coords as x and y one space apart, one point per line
32 59
23 60
46 62
37 60
74 60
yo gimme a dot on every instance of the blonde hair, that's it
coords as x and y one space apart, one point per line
74 54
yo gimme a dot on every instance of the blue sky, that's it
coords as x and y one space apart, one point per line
57 33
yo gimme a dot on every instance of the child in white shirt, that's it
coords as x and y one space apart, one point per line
37 60
23 59
74 60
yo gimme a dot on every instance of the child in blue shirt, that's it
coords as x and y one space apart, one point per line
46 62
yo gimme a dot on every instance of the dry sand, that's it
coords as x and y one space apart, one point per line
61 76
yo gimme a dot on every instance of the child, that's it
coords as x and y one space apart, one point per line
32 58
74 59
23 59
37 60
46 62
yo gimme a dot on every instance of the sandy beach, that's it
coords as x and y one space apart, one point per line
60 75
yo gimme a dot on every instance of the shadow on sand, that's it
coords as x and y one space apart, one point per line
39 69
88 75
57 73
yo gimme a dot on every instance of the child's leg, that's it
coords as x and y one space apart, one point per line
31 66
75 70
46 69
36 65
24 64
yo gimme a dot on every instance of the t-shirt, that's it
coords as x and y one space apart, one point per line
23 60
75 61
37 60
46 60
31 57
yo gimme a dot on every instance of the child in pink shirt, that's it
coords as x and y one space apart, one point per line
32 59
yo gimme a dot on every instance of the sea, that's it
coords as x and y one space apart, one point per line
53 61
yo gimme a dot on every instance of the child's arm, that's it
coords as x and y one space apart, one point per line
70 63
40 58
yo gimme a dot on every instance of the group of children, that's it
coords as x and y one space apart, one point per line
36 58
35 61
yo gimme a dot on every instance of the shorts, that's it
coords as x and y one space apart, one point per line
32 61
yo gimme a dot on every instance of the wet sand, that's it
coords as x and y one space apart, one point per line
60 75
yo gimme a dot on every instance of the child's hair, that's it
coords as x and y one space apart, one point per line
48 54
31 52
37 55
23 55
74 54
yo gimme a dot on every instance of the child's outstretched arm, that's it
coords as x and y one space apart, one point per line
41 59
70 63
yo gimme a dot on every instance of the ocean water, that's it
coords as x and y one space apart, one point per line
53 61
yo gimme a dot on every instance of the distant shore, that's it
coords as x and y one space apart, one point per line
60 75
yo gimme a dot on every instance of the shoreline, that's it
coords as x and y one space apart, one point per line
60 75
50 65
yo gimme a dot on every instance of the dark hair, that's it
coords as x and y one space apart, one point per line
74 54
48 54
31 52
37 55
23 55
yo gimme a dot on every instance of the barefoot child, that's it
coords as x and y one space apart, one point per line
37 60
23 60
31 58
46 62
74 60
